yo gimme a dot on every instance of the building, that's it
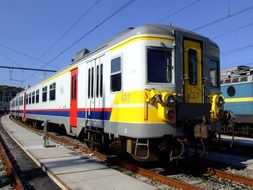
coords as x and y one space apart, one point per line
6 94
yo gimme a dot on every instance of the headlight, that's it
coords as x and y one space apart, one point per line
170 100
170 113
220 101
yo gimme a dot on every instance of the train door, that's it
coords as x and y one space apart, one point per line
98 88
73 97
24 110
193 89
91 98
95 80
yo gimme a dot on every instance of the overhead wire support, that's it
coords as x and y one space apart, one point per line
26 68
223 18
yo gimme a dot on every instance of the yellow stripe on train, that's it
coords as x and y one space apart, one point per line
135 115
141 38
246 99
134 106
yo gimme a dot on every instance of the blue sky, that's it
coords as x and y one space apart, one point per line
31 27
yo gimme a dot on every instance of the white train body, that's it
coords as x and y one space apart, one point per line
117 89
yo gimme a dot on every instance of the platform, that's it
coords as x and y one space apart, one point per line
68 169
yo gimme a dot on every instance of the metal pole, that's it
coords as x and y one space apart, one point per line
45 137
26 68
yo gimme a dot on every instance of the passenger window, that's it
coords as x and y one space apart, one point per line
227 81
193 67
244 79
75 87
26 99
92 82
30 98
89 75
116 74
33 97
97 81
101 80
21 101
159 65
37 96
52 88
235 80
44 94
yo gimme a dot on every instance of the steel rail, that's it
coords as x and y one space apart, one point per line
230 176
14 179
212 171
158 177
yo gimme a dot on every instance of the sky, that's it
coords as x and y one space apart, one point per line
48 33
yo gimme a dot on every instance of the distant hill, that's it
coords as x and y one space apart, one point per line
10 88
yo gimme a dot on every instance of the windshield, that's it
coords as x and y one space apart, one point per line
159 65
214 66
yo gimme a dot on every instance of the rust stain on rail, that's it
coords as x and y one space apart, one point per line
158 177
14 179
230 176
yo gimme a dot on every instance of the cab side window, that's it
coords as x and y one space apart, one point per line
116 74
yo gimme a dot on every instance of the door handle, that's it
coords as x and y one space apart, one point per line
185 77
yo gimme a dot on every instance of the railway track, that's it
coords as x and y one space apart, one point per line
209 170
182 181
9 178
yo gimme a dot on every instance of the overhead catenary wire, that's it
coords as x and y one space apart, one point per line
10 59
94 28
231 31
53 44
70 28
23 54
237 50
223 18
178 11
87 33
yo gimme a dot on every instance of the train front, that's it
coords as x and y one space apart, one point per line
196 106
171 94
192 107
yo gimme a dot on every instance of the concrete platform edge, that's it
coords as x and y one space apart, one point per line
59 182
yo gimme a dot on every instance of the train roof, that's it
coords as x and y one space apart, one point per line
143 29
241 70
129 32
146 29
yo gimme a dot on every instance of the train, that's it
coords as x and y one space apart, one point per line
237 89
154 88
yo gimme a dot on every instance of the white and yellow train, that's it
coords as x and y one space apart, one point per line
147 86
